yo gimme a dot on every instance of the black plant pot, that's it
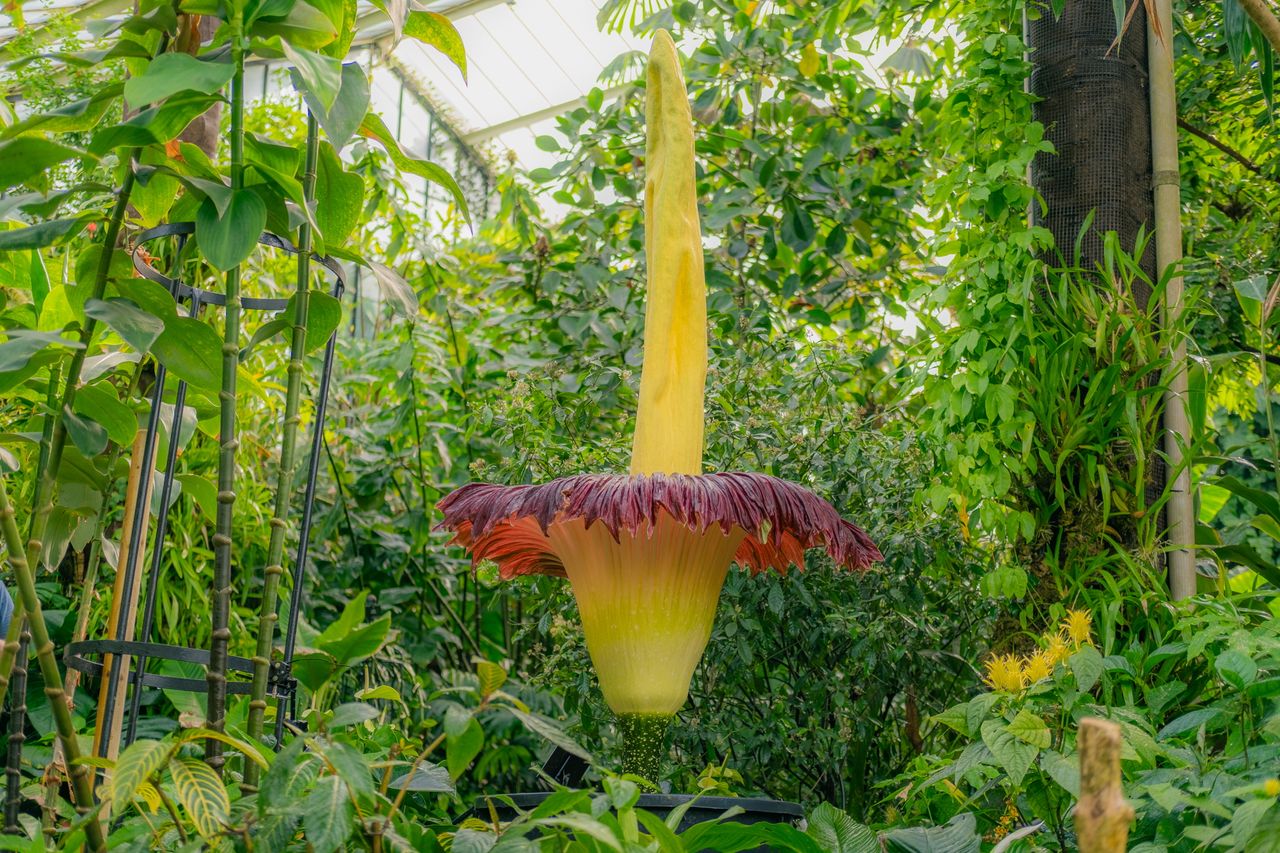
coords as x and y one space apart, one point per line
706 808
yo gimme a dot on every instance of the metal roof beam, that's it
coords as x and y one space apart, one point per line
485 134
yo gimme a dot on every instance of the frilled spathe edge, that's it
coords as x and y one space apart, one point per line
508 524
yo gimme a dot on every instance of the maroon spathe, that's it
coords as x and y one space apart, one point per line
508 524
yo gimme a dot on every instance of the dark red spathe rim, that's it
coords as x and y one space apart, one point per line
508 524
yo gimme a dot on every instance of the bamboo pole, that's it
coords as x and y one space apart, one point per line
81 782
17 733
1180 510
1102 815
1266 20
268 617
116 668
220 637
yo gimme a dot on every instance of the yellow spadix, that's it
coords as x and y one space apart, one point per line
669 420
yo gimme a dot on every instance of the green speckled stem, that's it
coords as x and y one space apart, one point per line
644 740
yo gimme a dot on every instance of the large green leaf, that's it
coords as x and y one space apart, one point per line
313 669
352 766
1009 752
227 239
26 157
373 127
1265 501
1029 728
89 437
290 773
551 732
1190 722
24 343
99 403
303 26
1265 837
1235 29
342 119
40 235
171 73
339 198
200 490
438 31
153 125
192 350
153 298
138 328
70 118
155 190
425 777
350 618
359 643
1236 668
139 761
351 713
318 75
1063 770
327 815
324 313
836 832
202 794
1086 665
462 747
482 841
958 835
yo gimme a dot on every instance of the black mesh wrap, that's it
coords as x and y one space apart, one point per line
1095 111
1095 108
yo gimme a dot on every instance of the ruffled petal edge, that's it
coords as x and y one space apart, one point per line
508 524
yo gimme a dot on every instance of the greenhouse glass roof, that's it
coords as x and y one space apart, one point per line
528 61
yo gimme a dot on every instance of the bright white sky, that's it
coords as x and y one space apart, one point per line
526 58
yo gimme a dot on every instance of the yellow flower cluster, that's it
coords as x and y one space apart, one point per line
1011 673
1007 822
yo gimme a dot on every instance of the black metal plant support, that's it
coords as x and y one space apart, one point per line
88 656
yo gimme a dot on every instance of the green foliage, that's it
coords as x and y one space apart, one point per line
992 421
1194 695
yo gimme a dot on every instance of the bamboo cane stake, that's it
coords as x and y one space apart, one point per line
1266 20
1180 510
117 667
81 781
284 476
9 655
1102 815
17 733
220 637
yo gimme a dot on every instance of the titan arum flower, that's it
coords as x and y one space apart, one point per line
646 553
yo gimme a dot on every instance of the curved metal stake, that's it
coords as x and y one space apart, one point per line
162 527
304 534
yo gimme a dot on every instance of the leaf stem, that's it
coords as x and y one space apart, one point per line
644 738
173 812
